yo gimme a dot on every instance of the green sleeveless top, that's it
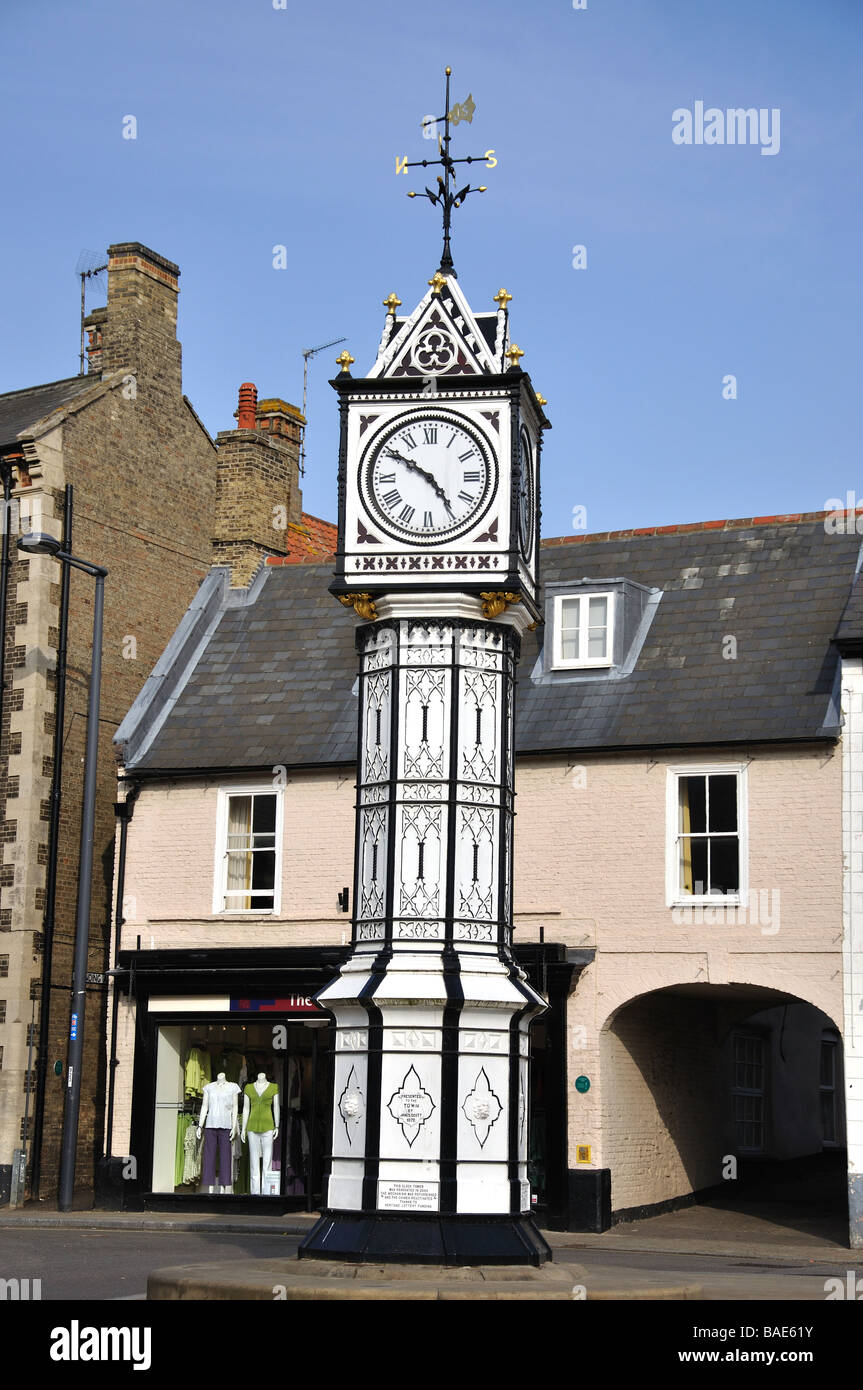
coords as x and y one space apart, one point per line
261 1112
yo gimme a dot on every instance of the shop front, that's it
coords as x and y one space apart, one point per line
232 1079
231 1090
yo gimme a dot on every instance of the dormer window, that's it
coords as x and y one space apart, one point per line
583 630
594 629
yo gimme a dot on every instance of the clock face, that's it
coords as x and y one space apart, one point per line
525 493
428 478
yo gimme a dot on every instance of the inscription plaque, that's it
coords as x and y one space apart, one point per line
407 1196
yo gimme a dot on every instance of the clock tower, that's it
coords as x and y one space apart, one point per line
438 556
440 449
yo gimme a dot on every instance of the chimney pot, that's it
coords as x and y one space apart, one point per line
248 406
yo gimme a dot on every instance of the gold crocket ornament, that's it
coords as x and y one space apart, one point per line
495 603
362 604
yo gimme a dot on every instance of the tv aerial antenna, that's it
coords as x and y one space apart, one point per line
307 353
87 268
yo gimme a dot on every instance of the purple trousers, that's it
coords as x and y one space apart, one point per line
217 1140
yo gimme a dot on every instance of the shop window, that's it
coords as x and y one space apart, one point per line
706 814
748 1091
827 1090
253 1092
248 854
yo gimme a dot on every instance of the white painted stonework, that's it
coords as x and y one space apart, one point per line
852 935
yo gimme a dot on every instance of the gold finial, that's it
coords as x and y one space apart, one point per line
344 360
392 302
513 353
502 298
437 282
449 72
541 399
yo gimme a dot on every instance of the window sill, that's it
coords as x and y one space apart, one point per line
245 912
717 900
582 666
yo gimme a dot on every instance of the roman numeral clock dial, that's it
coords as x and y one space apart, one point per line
526 501
429 478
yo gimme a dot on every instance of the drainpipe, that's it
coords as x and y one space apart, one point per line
123 811
53 844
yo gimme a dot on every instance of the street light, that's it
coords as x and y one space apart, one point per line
39 543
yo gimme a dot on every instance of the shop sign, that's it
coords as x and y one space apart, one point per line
289 1004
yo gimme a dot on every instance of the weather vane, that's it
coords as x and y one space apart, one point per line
447 197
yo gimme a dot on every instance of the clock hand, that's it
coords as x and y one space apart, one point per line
415 468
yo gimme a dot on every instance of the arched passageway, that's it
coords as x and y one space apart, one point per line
731 1094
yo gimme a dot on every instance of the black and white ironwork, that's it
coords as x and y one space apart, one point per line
438 555
432 1013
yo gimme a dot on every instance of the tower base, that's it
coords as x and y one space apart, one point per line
425 1238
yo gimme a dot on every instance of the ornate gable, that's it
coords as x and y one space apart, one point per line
442 337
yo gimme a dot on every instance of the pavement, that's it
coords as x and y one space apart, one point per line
696 1230
733 1248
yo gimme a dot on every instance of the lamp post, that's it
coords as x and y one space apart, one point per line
39 543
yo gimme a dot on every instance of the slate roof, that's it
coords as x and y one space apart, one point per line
20 409
272 683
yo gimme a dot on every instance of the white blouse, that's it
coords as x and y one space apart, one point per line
220 1097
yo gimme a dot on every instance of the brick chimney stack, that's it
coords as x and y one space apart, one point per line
95 325
138 330
258 495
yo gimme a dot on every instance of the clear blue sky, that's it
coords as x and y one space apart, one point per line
260 126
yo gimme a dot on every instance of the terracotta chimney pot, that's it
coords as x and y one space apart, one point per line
248 406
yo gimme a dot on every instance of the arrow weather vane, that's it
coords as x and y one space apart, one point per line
447 197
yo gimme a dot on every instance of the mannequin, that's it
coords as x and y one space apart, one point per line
261 1123
218 1120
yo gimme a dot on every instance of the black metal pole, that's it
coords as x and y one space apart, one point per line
75 1055
446 264
123 811
53 847
313 1124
